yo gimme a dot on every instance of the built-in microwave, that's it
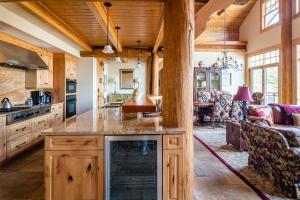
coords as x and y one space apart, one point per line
70 86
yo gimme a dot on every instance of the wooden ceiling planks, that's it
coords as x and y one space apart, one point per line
235 15
79 17
138 21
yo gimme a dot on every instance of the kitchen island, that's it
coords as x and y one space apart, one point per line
98 155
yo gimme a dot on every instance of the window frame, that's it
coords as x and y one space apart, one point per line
263 28
296 8
264 67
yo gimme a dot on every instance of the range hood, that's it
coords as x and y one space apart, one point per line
18 57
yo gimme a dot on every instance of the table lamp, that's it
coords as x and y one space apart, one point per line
243 94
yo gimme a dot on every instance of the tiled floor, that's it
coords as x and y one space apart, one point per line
22 178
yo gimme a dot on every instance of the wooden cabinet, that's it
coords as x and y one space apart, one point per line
41 79
74 174
19 129
57 114
38 125
19 144
71 69
2 143
172 167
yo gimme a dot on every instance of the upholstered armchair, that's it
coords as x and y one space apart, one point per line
204 96
222 107
272 157
258 98
236 110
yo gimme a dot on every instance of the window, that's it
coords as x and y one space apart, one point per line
298 74
264 74
297 7
270 13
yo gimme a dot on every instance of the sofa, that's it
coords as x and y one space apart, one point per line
273 157
275 119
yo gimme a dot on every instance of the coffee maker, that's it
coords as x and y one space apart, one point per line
41 97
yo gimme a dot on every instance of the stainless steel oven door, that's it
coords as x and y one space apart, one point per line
133 167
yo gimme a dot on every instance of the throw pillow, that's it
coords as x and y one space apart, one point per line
296 118
288 110
265 112
277 115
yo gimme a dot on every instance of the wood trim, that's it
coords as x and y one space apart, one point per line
233 46
21 43
126 53
202 16
39 10
100 13
296 79
160 32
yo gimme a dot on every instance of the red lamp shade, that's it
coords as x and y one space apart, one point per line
243 94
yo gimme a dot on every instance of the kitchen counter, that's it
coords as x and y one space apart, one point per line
109 122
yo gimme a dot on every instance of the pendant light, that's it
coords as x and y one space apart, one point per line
118 58
107 48
138 65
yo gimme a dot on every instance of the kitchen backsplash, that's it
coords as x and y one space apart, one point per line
12 85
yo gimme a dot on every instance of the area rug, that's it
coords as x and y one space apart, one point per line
237 161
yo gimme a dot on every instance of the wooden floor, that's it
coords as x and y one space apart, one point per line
22 178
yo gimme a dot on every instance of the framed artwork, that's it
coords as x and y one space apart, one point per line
226 79
126 79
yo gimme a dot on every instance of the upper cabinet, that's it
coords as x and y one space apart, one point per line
41 79
71 68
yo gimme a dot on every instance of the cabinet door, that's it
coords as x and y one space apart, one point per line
2 143
74 175
68 64
172 175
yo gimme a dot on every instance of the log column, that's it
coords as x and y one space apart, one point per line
155 75
177 83
287 51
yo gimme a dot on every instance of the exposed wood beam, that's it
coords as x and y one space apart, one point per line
233 46
100 13
21 43
80 0
160 32
202 16
44 14
126 53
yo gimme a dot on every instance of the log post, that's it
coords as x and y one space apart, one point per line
287 53
177 83
155 75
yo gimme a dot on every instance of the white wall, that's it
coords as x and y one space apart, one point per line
18 18
296 28
86 84
112 68
209 58
250 32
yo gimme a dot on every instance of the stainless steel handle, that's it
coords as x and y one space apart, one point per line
21 129
41 122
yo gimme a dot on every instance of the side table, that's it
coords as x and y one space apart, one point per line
234 135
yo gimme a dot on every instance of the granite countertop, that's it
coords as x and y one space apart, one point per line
109 122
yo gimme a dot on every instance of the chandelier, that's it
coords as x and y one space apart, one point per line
226 61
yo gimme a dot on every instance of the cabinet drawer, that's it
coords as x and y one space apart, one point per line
172 142
74 143
57 107
37 136
15 146
2 120
40 123
19 129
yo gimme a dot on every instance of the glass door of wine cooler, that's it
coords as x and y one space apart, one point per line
133 167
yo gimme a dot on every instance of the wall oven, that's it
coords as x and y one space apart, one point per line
70 105
70 86
133 167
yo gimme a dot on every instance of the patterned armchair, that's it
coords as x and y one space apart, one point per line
222 108
272 157
258 98
236 110
204 96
